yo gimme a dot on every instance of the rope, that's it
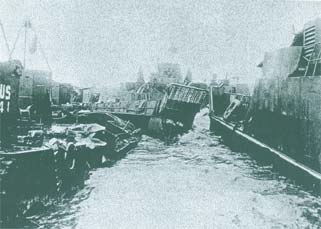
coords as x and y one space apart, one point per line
15 43
40 46
5 38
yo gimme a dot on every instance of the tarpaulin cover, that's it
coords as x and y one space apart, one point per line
84 134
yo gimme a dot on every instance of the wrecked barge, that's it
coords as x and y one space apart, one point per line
282 118
172 114
39 157
163 107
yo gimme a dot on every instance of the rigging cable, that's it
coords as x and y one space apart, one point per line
15 43
5 38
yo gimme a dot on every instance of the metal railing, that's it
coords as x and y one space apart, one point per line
313 59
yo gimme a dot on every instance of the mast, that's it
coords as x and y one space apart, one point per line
26 26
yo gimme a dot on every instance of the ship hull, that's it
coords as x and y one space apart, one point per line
265 154
139 120
173 114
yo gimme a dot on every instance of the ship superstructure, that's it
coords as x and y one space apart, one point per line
283 115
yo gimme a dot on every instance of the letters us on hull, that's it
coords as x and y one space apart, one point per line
5 95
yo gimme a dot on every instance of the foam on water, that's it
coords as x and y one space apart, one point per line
194 183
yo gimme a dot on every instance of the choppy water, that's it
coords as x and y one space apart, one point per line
194 183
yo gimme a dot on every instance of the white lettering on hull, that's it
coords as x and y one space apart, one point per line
5 96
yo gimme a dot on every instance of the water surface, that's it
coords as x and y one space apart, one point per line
196 182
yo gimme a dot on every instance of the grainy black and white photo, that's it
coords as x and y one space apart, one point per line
160 114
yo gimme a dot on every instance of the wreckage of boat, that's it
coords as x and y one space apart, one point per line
164 106
172 114
40 157
282 118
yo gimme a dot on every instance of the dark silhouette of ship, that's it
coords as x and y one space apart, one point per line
283 116
164 106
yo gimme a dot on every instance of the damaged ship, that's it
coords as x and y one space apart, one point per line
283 116
165 106
39 157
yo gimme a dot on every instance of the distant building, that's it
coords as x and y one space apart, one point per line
167 73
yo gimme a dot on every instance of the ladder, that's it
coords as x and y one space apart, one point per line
310 47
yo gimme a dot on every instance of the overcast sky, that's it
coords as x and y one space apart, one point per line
103 42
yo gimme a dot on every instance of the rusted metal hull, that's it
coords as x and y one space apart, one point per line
286 109
172 115
266 154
